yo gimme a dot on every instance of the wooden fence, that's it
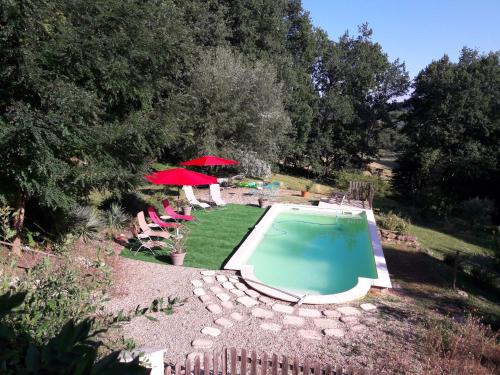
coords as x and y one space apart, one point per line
230 362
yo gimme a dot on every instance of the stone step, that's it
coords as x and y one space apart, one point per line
211 331
202 344
271 327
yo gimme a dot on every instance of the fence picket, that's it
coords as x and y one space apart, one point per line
178 369
187 367
339 370
216 364
317 369
284 369
328 370
307 367
263 365
275 365
196 366
233 361
243 368
167 370
224 361
253 365
206 363
296 367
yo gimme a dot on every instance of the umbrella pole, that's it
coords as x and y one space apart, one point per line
178 196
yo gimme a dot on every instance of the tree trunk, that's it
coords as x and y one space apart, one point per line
18 224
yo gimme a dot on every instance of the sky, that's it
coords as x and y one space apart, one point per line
415 31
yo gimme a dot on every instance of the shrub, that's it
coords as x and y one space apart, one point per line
251 166
74 348
53 296
116 217
86 223
391 221
6 214
343 177
459 348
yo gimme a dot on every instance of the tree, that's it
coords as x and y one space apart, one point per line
80 86
454 131
231 105
356 82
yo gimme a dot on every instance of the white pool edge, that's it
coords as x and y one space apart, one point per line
238 261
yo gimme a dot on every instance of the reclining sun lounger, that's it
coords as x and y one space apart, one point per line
171 213
188 190
215 194
147 229
154 216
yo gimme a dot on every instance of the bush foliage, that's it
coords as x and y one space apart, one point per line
393 222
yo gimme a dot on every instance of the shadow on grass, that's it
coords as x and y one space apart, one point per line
429 281
161 256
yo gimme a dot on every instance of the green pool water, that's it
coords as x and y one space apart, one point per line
314 253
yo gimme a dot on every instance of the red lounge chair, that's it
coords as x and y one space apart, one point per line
174 215
152 214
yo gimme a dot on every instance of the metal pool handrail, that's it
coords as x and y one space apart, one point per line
300 299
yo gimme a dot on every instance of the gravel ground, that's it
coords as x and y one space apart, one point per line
386 331
248 196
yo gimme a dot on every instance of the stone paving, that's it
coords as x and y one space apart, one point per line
310 323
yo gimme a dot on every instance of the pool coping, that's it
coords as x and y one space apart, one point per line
237 261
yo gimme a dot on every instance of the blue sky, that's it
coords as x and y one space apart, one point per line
416 31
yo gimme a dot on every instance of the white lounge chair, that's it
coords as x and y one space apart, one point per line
146 242
215 195
149 229
188 190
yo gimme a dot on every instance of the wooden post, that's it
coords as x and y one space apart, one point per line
455 270
338 370
307 367
187 369
178 369
296 367
18 224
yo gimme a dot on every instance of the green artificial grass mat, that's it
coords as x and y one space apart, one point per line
211 240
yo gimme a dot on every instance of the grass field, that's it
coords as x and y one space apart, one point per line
212 239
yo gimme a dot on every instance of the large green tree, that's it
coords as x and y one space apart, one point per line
231 104
357 83
454 131
79 86
280 33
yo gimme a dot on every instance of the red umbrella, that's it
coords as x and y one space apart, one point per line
180 177
209 160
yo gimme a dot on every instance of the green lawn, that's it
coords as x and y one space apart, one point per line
213 239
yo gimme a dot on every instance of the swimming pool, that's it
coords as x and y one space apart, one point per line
316 255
